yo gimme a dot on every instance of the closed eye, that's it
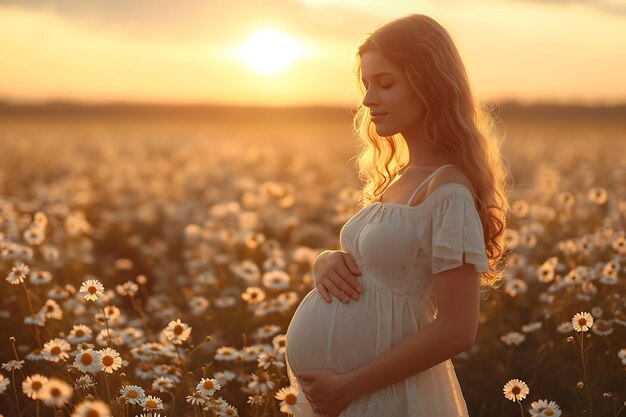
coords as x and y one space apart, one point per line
385 87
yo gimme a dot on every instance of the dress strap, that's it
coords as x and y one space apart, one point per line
426 181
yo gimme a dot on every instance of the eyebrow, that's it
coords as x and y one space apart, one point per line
378 75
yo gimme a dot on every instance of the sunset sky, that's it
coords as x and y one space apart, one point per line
206 51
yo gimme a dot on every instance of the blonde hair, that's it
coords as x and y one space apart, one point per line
454 123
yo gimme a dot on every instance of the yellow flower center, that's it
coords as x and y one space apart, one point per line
55 350
92 290
151 404
107 360
79 333
548 412
92 412
178 329
55 392
132 394
208 385
36 385
86 359
291 399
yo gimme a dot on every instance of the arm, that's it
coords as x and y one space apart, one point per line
452 332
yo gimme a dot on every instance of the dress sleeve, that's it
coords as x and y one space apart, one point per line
457 233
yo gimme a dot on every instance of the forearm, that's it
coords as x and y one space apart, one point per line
434 343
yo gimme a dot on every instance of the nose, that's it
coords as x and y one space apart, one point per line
369 100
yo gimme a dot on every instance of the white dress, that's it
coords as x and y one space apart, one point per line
398 248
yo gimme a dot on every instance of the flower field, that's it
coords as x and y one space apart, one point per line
154 272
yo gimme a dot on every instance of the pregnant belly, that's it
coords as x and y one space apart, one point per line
335 336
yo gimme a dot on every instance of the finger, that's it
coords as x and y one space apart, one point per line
336 291
351 263
308 398
343 286
350 273
323 292
346 282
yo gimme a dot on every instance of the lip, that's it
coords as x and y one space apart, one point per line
378 116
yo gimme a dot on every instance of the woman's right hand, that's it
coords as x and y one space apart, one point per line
335 272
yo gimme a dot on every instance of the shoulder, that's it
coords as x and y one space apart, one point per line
450 175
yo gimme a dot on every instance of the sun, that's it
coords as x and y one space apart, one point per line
269 51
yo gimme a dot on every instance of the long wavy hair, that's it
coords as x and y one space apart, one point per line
456 124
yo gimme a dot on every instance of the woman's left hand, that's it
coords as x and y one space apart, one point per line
327 391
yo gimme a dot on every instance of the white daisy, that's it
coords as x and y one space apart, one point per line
18 273
582 321
79 333
37 319
513 338
40 277
35 355
92 408
56 349
128 288
133 394
56 393
280 343
225 301
515 390
110 360
228 411
88 361
33 385
196 398
266 331
223 377
227 353
275 280
261 382
4 383
91 289
177 332
291 400
543 408
253 295
198 305
151 403
162 384
208 386
51 310
12 364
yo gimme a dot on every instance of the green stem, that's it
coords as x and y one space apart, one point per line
106 384
30 304
582 357
19 411
106 322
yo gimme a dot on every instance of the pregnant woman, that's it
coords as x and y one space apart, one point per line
423 246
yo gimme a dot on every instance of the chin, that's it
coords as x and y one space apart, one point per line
383 131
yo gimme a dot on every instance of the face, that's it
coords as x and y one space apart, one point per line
389 92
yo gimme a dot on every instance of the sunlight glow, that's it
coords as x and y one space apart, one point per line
269 51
